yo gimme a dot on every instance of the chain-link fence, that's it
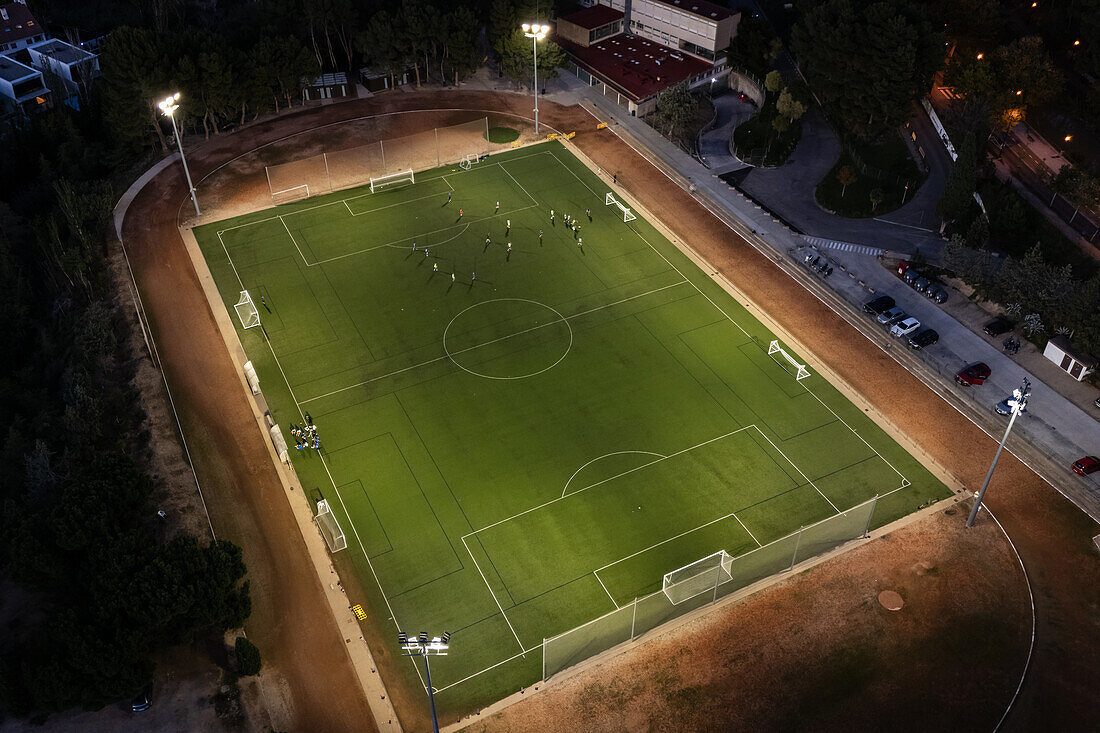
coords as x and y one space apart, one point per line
633 620
340 169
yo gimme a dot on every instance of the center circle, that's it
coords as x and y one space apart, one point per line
528 326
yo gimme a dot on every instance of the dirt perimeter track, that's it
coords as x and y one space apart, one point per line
291 621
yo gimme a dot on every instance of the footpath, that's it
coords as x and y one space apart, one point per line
1056 430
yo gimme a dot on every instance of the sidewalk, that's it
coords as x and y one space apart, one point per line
1057 431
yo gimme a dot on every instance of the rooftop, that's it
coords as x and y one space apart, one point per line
637 67
18 24
12 71
702 8
593 17
65 53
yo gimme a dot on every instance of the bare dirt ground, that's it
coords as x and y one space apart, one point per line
294 628
819 651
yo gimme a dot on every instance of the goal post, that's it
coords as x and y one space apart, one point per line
469 161
701 576
377 182
610 199
287 195
246 311
330 528
801 373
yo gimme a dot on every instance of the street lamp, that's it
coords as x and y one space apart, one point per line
536 33
1018 404
420 646
168 106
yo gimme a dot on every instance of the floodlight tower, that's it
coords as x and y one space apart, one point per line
420 646
536 33
168 106
1018 403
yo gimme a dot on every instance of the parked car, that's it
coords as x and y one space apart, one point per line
920 284
905 327
936 293
141 703
878 305
1085 466
997 326
1003 408
927 337
973 375
910 276
890 316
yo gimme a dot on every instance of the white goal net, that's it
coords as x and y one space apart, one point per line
246 311
469 161
297 193
802 371
330 528
377 182
701 576
628 215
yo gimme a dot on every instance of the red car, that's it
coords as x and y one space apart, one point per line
1085 466
973 375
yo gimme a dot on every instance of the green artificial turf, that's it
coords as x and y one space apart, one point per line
517 454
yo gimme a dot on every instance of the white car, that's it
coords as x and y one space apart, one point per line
905 327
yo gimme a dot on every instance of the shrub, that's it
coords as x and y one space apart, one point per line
248 657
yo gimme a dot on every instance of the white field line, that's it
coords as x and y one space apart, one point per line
521 188
604 481
605 590
487 343
237 274
295 242
731 320
468 677
606 455
747 530
364 195
393 244
492 593
788 460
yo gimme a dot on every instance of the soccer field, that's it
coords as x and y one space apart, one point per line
515 454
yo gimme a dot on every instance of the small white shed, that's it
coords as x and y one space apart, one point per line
1062 352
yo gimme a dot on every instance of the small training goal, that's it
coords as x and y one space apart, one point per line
469 161
802 372
701 576
628 215
246 311
330 528
377 182
297 193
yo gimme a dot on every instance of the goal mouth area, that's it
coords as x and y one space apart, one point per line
801 372
246 311
694 579
329 527
289 195
610 200
377 182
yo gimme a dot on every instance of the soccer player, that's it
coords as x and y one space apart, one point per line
498 207
507 226
615 178
552 218
448 197
509 248
452 277
435 267
473 276
580 242
414 246
426 253
460 213
588 213
540 236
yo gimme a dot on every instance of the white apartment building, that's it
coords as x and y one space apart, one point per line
698 27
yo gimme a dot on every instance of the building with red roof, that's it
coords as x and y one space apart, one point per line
634 52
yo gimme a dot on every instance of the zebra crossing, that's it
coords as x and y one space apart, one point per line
859 249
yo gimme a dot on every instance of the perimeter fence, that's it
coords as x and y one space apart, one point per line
339 169
642 615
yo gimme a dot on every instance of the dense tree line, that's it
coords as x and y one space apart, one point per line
95 591
867 61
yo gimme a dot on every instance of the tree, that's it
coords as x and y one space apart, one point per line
1009 80
751 46
674 107
846 176
133 81
958 192
867 64
789 107
876 196
773 81
517 58
248 657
